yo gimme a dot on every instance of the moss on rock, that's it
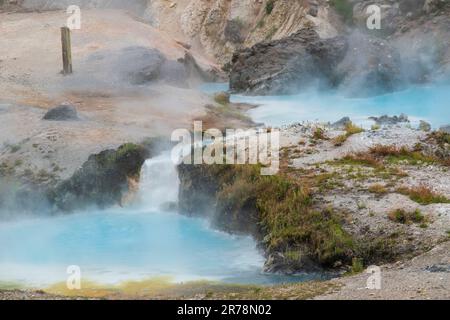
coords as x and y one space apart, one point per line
102 180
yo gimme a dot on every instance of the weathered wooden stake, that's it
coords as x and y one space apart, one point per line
66 50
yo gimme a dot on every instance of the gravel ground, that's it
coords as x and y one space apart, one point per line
422 278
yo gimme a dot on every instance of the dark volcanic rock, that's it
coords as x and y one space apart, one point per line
387 120
197 197
342 123
63 112
287 65
102 180
358 64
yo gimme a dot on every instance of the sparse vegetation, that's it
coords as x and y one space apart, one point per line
378 189
362 159
14 148
393 154
357 266
344 8
423 195
270 4
222 98
440 137
319 134
350 129
286 214
406 217
375 127
271 32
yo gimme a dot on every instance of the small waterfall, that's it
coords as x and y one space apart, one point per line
159 184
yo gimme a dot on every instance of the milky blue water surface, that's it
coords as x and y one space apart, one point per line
138 242
428 102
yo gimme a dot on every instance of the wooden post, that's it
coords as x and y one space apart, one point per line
66 50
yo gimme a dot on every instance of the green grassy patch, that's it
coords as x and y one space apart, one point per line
344 8
270 4
350 129
406 217
285 213
423 195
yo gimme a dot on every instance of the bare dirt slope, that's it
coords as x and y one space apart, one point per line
112 109
422 278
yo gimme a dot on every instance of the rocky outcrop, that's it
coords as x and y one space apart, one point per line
138 65
287 65
357 64
64 112
220 27
102 180
342 123
199 186
387 120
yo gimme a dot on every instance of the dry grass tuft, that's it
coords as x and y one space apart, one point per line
378 189
406 217
350 129
423 195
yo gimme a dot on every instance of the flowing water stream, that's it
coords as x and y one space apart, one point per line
140 242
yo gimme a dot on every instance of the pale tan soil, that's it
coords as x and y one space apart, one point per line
111 113
421 278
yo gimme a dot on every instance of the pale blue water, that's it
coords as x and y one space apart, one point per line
139 242
428 102
116 246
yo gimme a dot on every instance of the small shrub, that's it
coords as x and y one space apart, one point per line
406 217
357 266
423 195
319 134
340 140
343 8
269 6
378 189
18 163
395 154
14 148
350 129
362 159
222 98
375 127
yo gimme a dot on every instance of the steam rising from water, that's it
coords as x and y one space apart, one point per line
141 242
427 102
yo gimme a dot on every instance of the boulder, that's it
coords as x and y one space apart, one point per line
358 64
287 65
341 123
102 181
64 112
387 120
